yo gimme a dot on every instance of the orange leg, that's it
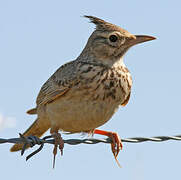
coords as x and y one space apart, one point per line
116 144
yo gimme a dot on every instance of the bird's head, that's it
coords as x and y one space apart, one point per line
110 42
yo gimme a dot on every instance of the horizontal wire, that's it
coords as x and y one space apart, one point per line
30 141
90 140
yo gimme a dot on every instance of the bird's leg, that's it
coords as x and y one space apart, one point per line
58 143
116 144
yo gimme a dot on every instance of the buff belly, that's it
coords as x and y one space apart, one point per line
79 115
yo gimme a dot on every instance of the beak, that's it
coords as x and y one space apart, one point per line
139 39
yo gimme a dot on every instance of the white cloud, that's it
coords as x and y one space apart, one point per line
7 122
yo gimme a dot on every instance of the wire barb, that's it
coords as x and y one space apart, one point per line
30 141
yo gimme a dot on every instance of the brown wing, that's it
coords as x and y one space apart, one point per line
58 84
48 97
126 101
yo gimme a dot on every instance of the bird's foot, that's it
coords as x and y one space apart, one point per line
59 143
116 144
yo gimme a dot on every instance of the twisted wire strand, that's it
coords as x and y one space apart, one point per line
46 139
33 140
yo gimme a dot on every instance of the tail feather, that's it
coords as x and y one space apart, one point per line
32 111
38 128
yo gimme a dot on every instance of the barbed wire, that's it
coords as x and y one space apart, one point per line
33 140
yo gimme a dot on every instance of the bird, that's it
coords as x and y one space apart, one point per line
83 94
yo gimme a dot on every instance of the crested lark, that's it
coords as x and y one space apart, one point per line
84 94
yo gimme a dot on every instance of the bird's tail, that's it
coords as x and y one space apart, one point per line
38 128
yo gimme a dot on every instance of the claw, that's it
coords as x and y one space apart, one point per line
116 144
58 143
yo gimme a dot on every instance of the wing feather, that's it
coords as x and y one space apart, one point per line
58 84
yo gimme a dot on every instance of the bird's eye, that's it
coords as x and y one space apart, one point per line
113 38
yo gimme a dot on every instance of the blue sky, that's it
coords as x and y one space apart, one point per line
36 37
